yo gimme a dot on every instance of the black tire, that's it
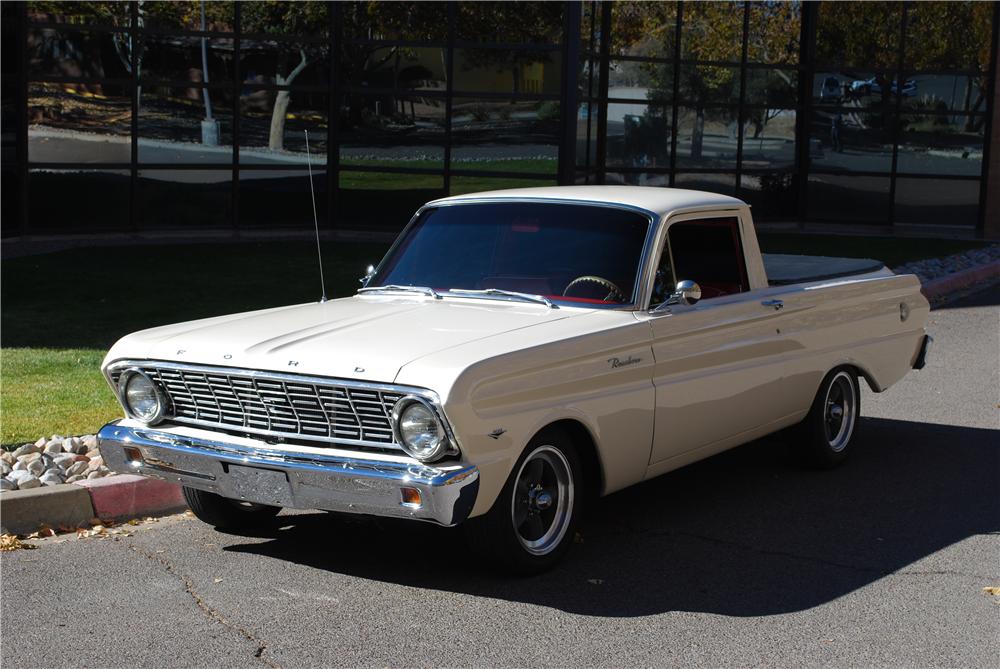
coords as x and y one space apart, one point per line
826 435
530 528
226 513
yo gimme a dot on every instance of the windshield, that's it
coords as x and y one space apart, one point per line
569 252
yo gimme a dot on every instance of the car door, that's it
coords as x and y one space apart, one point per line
716 365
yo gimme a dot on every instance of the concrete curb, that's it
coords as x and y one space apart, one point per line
74 504
936 289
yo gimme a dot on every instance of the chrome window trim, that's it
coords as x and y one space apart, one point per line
431 397
639 289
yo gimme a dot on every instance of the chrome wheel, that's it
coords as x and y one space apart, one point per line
840 411
542 504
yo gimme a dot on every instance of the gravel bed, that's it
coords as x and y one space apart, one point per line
935 268
51 461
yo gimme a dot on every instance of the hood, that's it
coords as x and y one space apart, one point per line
362 337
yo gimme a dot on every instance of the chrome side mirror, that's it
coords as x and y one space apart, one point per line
369 273
686 292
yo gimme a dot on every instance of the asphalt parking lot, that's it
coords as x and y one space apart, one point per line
744 559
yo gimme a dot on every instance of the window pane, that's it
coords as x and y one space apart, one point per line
273 122
643 28
79 53
931 144
392 131
774 32
462 185
284 63
78 123
281 199
384 201
851 141
938 202
108 13
10 204
712 30
186 15
170 58
412 21
859 34
508 71
773 196
510 22
707 138
638 136
775 88
949 35
945 92
188 199
173 126
853 199
769 139
637 179
858 88
713 183
87 200
633 80
397 68
709 84
500 135
302 18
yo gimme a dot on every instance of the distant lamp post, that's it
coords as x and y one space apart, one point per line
209 126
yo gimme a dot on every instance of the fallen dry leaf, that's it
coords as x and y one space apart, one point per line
9 542
217 580
992 590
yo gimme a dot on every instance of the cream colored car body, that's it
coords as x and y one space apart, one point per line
652 390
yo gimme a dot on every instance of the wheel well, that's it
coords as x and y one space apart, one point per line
583 442
861 374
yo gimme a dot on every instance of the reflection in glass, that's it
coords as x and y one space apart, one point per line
284 63
851 141
860 89
77 123
477 184
637 179
174 58
510 22
712 30
950 202
934 144
272 125
709 84
508 71
409 20
186 15
393 131
109 13
280 199
638 135
772 87
173 127
707 138
773 195
396 67
190 199
11 204
769 139
858 34
861 199
586 135
301 18
384 201
88 200
632 80
949 36
79 54
713 183
507 136
643 28
774 32
946 92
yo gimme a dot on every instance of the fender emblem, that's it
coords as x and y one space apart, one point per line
495 434
618 362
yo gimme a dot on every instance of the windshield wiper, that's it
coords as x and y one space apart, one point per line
490 292
423 290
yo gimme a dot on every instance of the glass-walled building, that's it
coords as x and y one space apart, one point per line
200 118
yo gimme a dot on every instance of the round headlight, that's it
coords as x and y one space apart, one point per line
418 428
141 397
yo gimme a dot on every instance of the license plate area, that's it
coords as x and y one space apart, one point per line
264 486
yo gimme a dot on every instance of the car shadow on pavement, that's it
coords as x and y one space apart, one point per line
746 533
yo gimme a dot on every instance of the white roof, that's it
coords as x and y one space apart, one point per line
656 199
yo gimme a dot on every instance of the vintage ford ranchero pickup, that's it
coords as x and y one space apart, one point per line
516 353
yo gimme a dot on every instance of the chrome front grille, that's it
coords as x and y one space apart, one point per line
287 406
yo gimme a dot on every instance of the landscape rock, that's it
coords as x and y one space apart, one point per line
8 457
75 478
76 468
95 463
5 469
36 467
95 475
28 483
20 466
40 444
53 447
64 460
90 441
26 449
93 453
6 484
51 478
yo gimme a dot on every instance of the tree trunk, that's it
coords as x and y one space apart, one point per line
276 139
698 134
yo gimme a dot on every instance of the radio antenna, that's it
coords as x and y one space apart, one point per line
312 193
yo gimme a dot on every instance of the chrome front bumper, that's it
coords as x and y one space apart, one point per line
292 479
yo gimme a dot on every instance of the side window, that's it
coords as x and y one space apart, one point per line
664 281
710 253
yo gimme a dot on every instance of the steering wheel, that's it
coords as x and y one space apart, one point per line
615 293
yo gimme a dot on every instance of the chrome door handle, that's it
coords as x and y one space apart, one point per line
777 304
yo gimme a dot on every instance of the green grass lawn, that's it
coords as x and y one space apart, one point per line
62 311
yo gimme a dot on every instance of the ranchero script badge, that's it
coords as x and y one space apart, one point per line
618 362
